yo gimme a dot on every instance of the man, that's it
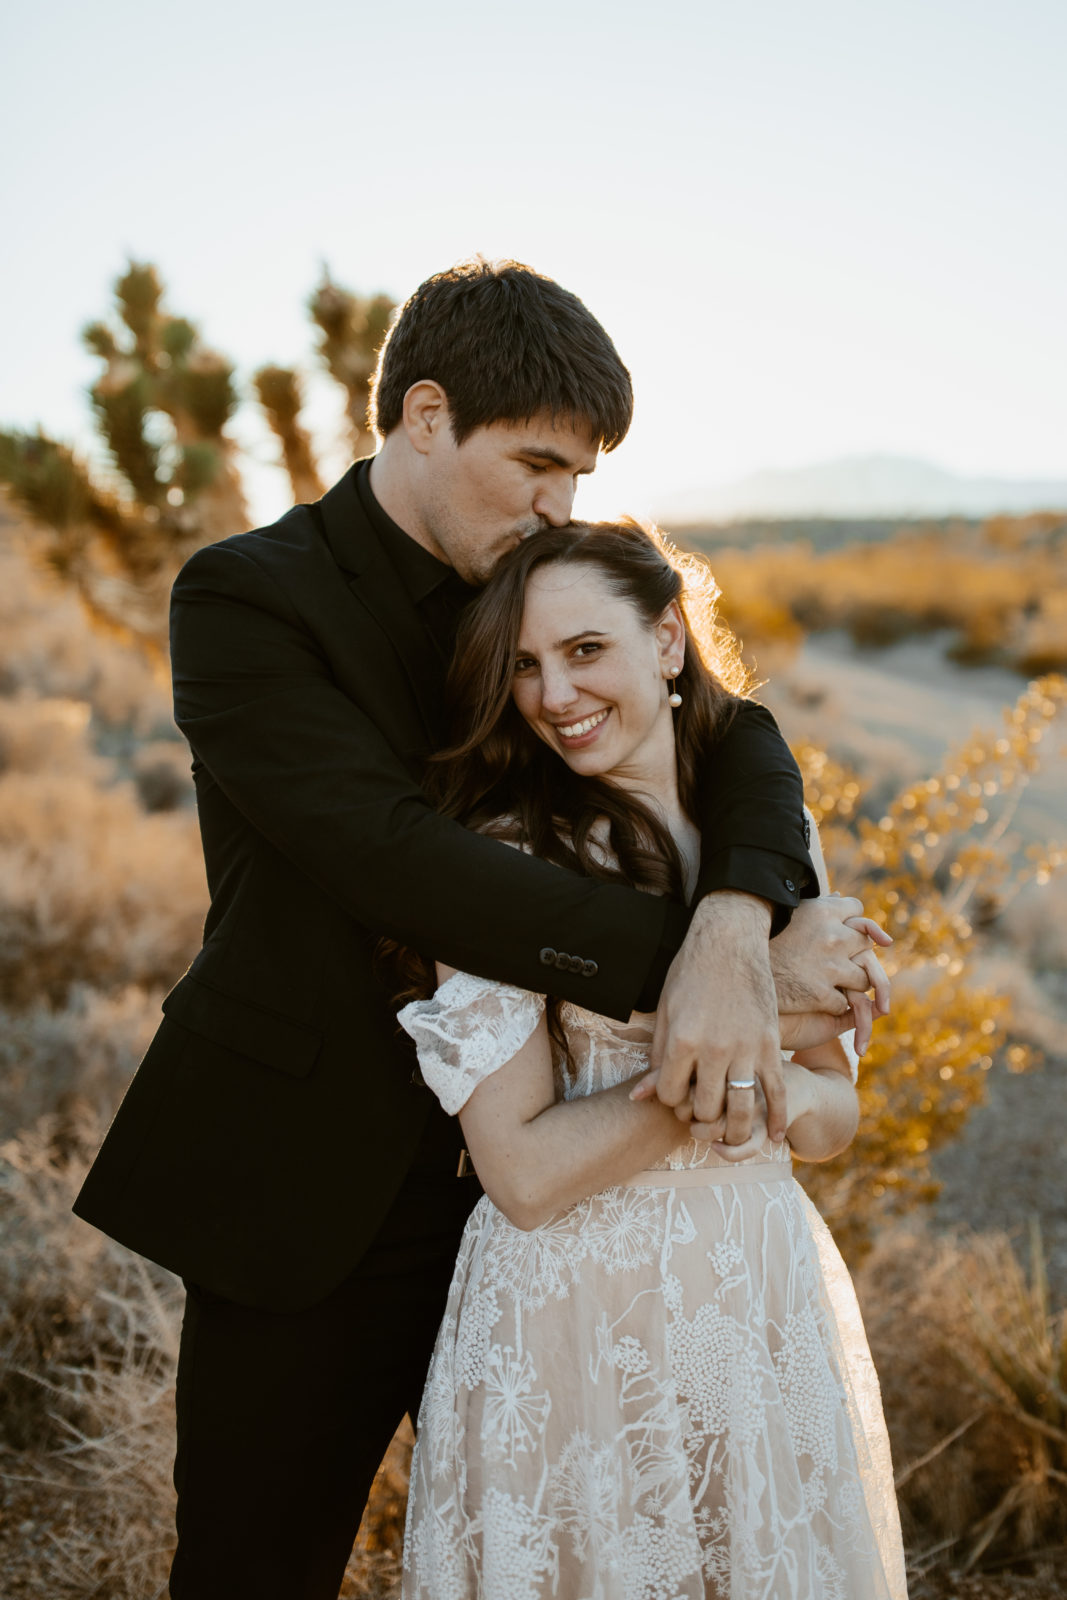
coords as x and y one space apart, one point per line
273 1148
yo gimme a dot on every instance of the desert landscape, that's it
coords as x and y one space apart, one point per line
917 671
962 1269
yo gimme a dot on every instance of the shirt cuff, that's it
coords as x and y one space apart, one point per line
782 880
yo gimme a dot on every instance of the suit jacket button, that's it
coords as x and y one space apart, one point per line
562 960
589 969
548 956
576 963
791 886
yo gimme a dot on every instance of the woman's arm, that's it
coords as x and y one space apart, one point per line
535 1155
823 1107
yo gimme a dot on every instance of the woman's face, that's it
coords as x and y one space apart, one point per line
590 677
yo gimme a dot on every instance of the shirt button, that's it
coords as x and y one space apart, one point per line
548 956
791 886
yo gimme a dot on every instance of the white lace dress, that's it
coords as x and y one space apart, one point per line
665 1393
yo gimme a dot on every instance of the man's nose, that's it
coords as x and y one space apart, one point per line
554 501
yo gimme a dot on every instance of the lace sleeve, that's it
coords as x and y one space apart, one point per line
466 1031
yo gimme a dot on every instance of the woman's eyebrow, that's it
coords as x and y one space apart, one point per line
563 644
586 633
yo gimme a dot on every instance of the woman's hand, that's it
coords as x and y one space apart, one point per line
754 1145
825 961
805 1030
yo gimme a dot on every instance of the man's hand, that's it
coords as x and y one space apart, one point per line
824 961
718 1021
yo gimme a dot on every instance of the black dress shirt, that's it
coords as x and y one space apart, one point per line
436 590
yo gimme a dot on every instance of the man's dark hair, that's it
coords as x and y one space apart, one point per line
505 344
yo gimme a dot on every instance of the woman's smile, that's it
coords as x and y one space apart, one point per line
580 733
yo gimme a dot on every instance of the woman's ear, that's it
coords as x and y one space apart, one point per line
670 640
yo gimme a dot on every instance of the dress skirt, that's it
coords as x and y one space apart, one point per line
665 1393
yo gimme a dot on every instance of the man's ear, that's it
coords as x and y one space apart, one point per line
426 415
670 638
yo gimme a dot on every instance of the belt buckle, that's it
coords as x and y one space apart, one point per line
465 1169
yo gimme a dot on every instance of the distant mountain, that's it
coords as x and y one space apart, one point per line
864 486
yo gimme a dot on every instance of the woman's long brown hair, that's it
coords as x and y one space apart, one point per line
496 775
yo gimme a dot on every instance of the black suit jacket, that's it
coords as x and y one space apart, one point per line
276 1112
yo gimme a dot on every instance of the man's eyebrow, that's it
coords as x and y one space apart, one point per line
544 454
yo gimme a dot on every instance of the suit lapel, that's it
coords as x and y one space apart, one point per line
373 582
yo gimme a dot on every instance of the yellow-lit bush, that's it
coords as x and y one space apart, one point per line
1001 589
936 863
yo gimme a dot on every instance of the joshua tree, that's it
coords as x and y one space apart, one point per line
351 329
279 394
162 405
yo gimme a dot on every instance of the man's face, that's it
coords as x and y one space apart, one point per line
505 481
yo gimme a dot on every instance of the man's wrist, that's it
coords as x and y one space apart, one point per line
742 909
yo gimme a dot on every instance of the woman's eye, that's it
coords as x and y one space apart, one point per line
525 664
592 647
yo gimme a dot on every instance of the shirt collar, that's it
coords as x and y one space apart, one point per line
420 572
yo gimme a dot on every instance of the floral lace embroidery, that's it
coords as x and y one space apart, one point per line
468 1029
661 1394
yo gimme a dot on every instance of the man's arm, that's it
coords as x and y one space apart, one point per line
754 835
718 1015
319 779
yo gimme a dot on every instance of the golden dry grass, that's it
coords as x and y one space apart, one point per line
1001 590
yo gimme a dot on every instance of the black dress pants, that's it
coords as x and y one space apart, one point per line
283 1417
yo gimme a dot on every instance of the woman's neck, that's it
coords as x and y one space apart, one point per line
660 792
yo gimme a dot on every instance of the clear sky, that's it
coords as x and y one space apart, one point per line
813 227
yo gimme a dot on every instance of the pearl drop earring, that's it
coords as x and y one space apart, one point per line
674 698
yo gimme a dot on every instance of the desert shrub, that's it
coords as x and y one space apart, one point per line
1001 589
1042 641
765 597
50 653
86 1047
936 861
88 1354
971 1358
1036 925
162 774
92 889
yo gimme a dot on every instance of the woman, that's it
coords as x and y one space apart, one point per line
651 1379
